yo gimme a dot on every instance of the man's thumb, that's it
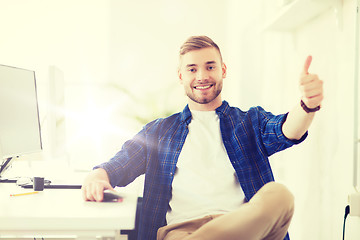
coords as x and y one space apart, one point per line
307 65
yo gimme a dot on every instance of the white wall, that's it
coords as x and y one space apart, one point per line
71 35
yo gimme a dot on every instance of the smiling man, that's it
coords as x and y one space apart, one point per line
207 173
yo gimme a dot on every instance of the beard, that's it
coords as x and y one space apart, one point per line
204 98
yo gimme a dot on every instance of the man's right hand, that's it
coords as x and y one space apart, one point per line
95 184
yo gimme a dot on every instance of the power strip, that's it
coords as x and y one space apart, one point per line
354 203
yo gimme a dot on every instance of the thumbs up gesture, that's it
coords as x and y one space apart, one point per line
311 87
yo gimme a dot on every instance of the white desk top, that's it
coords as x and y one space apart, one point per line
61 210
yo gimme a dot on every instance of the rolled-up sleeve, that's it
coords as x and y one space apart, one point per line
272 135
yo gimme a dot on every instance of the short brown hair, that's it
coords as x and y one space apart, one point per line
196 43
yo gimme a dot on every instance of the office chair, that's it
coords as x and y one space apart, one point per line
132 234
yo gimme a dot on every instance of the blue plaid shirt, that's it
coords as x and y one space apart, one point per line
249 138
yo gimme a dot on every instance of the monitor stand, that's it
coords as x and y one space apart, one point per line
3 167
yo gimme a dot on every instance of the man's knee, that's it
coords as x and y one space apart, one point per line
276 204
275 197
280 191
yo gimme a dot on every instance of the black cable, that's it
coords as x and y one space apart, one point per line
347 211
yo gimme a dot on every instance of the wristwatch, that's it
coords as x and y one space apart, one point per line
309 110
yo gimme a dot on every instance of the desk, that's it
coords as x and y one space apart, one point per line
62 212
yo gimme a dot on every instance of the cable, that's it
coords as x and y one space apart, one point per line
347 211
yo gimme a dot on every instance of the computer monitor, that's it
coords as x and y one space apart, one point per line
19 115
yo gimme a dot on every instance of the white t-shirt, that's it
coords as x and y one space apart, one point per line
205 181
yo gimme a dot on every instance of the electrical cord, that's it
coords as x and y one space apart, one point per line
347 211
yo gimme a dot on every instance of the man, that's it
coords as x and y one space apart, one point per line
207 173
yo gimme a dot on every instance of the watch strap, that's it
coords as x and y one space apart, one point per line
307 109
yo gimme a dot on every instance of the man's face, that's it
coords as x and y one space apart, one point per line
201 73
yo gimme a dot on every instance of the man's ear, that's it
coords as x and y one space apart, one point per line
224 68
180 76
